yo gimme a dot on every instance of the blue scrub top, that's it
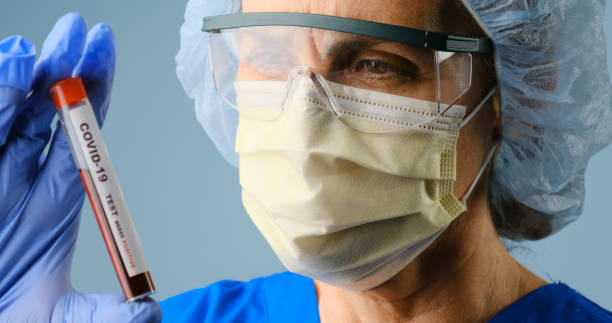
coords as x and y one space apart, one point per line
288 297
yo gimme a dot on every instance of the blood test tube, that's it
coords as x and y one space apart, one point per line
93 162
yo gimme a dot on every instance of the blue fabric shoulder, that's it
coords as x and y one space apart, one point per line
284 297
289 297
553 303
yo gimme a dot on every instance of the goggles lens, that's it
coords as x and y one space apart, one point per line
275 53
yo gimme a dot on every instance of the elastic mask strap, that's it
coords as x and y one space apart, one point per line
480 172
478 107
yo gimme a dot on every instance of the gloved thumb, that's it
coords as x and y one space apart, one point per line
105 307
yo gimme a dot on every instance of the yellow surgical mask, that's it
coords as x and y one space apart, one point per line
340 200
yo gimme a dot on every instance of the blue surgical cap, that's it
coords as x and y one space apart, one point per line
555 100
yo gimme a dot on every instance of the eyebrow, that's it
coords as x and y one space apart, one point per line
356 42
348 45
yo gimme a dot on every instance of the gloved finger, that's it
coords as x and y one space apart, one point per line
107 307
97 68
56 195
37 244
18 169
17 56
61 52
37 252
58 180
31 129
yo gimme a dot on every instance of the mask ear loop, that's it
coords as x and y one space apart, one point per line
479 174
478 107
491 153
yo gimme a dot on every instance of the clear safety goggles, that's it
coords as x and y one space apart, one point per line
287 47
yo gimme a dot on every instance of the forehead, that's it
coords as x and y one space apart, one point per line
421 14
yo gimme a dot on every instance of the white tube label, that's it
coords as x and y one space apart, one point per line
85 128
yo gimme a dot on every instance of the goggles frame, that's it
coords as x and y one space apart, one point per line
410 36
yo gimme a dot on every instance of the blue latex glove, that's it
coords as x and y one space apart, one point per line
41 195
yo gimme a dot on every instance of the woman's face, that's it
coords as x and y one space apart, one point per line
434 15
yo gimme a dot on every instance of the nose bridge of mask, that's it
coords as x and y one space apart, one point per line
306 76
308 125
370 111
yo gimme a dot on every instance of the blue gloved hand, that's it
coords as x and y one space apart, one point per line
41 195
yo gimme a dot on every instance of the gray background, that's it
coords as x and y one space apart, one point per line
185 199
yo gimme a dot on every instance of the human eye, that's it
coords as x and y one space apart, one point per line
380 68
377 70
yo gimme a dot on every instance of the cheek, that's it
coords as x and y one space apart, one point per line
475 141
245 72
465 159
476 137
